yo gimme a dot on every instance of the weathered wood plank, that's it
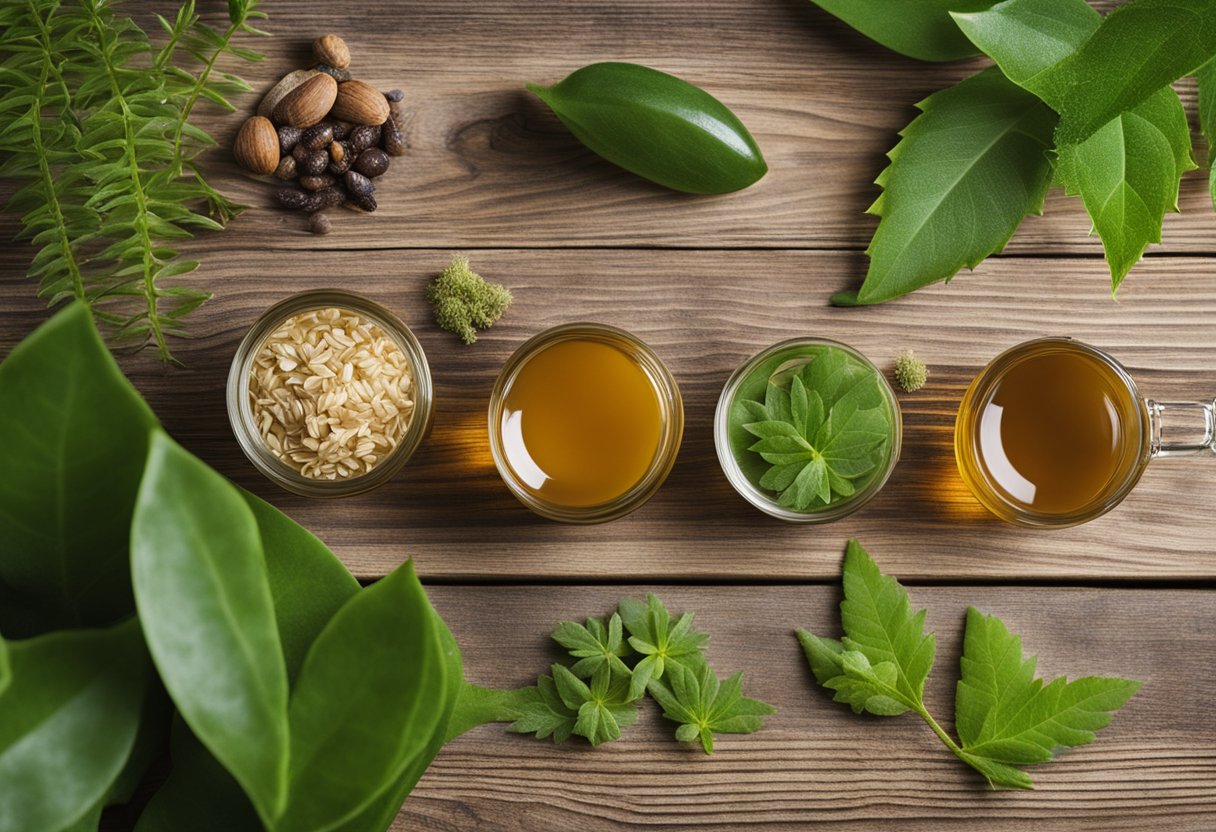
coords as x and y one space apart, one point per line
705 312
491 166
816 766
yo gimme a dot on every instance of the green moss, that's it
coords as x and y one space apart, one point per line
464 301
910 372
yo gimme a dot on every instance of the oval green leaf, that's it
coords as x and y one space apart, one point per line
202 593
76 437
368 700
71 715
921 29
657 126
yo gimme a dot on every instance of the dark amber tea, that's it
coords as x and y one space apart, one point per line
1052 430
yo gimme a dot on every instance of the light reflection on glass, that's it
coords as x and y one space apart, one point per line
518 457
1000 468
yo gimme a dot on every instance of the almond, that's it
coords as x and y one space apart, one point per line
286 84
332 50
257 146
360 103
308 103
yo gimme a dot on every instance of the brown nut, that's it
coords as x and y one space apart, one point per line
316 183
360 103
314 163
319 223
286 168
358 184
362 202
341 128
289 137
300 153
363 137
371 162
297 200
393 137
318 136
279 91
338 152
329 197
339 168
308 103
332 50
393 96
257 145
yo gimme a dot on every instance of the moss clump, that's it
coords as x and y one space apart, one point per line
910 372
464 301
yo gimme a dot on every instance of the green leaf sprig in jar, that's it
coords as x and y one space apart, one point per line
808 430
329 394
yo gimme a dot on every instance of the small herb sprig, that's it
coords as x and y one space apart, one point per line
822 427
96 119
1005 717
638 650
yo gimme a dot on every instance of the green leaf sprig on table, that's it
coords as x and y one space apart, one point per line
822 427
638 650
96 121
1005 716
1076 100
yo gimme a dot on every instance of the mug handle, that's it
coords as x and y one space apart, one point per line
1181 428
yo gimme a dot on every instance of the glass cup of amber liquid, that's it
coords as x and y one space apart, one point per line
1053 432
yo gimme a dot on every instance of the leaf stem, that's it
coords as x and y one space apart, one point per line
946 739
199 83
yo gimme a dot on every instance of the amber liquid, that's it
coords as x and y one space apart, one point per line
1056 432
581 423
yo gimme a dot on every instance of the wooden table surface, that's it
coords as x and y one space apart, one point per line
708 282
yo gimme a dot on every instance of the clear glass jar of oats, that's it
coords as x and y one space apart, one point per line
329 394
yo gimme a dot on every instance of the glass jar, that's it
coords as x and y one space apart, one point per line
756 371
240 410
670 424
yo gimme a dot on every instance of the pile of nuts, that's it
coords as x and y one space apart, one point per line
328 132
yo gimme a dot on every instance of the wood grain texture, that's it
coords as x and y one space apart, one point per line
815 765
705 313
491 166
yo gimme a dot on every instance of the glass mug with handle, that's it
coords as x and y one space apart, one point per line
1054 432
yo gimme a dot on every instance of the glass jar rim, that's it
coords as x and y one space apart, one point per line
980 388
671 407
752 493
240 414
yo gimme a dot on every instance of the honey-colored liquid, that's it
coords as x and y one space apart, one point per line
581 423
1056 433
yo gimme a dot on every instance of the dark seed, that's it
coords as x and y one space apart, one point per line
339 168
318 136
300 152
296 199
316 183
286 168
341 129
394 139
314 163
371 162
338 75
288 137
319 224
363 137
394 96
329 197
358 184
363 202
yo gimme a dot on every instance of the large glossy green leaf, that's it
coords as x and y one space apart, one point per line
308 584
1006 717
916 28
368 700
1207 119
76 434
1128 172
6 668
70 719
965 173
1139 48
203 596
657 126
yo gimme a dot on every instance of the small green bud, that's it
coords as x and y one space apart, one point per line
910 372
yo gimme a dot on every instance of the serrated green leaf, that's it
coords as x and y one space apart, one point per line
595 645
825 656
1005 715
964 174
921 29
705 705
661 643
1140 47
545 714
